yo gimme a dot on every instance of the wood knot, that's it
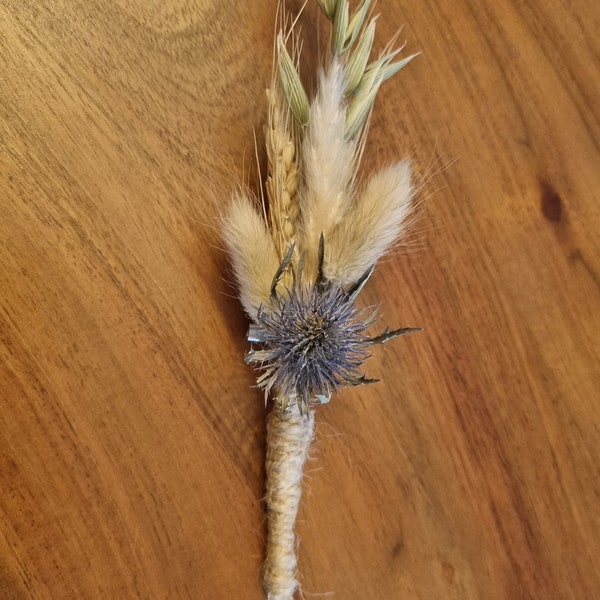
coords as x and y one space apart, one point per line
448 571
397 549
551 203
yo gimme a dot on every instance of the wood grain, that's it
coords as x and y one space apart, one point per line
131 441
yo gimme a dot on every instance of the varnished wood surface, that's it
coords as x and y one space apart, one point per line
131 442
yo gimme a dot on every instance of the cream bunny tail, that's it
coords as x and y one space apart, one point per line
252 250
376 220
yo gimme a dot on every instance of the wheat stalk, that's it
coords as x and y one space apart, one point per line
282 171
301 262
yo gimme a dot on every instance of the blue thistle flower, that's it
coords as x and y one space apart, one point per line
313 339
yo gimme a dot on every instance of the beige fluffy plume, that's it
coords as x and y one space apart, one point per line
376 220
252 250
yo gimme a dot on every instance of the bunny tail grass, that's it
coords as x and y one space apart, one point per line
289 433
252 251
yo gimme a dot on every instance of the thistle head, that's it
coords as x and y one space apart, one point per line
312 340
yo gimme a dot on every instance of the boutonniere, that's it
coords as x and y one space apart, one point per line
302 254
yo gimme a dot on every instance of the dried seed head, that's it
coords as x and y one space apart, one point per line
312 341
291 83
328 7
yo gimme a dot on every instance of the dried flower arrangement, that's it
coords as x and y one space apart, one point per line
302 256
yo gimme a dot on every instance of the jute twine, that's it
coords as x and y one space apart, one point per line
289 434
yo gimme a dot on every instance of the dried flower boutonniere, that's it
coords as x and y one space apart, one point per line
302 256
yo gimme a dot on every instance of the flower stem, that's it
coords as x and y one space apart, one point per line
289 434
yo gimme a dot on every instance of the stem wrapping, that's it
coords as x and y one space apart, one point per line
289 434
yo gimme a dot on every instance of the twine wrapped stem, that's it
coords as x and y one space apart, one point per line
289 434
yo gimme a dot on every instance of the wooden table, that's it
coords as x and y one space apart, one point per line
131 439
